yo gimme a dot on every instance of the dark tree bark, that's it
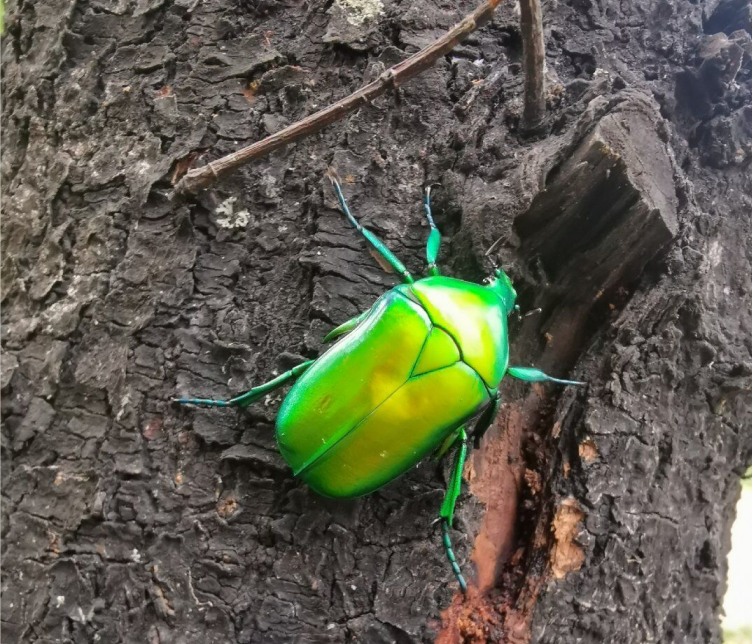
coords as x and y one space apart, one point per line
590 515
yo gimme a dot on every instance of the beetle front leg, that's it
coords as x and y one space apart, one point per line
434 237
446 514
529 374
252 395
380 247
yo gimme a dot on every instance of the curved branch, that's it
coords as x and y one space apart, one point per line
531 25
205 176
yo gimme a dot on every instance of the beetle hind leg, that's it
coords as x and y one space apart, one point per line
446 514
252 395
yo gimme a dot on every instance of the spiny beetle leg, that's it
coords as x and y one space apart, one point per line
388 255
345 327
434 237
447 507
529 374
243 400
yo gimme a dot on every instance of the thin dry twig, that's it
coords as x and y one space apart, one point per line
534 53
205 176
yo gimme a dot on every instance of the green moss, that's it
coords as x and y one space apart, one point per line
360 11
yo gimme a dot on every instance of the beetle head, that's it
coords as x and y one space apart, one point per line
500 284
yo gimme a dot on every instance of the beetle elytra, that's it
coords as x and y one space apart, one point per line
403 381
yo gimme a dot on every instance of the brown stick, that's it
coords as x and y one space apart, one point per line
531 24
205 176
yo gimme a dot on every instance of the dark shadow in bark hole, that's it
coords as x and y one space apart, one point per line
511 39
584 65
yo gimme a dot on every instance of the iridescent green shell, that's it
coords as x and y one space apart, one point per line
427 358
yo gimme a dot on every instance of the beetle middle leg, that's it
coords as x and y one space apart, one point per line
346 327
252 395
388 255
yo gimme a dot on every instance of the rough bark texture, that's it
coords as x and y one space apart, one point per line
127 519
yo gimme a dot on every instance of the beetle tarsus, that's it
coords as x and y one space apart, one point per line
203 402
446 540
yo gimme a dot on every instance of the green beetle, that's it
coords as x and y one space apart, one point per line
402 383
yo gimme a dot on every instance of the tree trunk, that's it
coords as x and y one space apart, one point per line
590 515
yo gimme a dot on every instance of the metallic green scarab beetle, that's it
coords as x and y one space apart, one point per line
403 382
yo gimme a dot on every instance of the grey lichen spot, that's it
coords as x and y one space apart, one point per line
360 11
231 218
